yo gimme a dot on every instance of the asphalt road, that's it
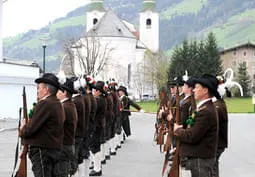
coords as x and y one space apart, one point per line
140 157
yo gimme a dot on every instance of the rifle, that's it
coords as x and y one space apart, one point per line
167 146
160 126
174 170
22 171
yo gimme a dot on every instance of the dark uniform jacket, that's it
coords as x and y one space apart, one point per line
200 140
87 111
186 109
100 113
223 123
93 109
125 105
45 128
70 122
80 107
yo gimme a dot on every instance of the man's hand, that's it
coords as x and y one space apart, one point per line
176 127
169 116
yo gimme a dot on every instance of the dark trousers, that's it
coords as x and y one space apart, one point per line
199 167
126 125
95 141
44 161
216 165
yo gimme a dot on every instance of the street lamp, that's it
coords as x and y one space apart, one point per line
44 48
44 40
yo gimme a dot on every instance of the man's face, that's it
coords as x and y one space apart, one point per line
42 90
121 93
200 92
61 95
96 92
173 90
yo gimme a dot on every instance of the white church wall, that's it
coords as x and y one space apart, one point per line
1 21
91 16
149 35
12 80
123 54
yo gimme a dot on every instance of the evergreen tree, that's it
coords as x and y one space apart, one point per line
243 78
213 61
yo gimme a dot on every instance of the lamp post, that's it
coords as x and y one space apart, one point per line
44 40
44 49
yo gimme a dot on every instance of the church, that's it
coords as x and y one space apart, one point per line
121 44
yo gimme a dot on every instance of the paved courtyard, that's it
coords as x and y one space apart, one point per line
140 157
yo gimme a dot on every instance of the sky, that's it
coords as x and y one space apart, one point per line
22 15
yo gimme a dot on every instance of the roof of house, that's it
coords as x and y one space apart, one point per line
111 25
248 44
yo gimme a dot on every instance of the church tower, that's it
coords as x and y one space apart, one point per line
149 25
95 12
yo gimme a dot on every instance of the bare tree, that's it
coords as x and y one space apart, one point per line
89 53
156 67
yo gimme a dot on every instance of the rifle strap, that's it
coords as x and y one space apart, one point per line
17 146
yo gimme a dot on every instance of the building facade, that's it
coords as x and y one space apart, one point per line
124 44
13 77
245 53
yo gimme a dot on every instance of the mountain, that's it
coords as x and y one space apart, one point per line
231 20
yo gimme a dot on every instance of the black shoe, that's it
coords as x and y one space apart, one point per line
118 147
94 173
122 142
113 153
124 137
103 161
91 167
107 157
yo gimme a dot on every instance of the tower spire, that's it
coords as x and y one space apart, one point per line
97 5
149 5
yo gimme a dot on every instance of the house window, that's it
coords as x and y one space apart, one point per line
95 21
244 53
148 23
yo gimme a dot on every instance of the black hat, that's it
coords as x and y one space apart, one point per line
48 78
210 82
190 82
99 86
179 81
123 89
68 86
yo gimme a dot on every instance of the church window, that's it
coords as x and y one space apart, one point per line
95 21
148 23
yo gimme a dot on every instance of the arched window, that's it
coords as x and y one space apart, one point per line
148 23
95 21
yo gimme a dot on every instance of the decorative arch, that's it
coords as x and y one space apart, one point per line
148 23
95 20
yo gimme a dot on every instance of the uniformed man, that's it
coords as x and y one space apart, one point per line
199 142
222 112
68 150
125 103
115 142
78 100
44 133
92 123
98 92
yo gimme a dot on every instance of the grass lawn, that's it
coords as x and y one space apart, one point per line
234 105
